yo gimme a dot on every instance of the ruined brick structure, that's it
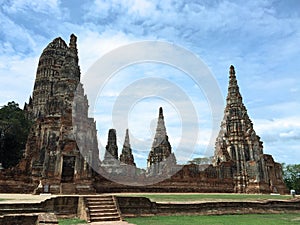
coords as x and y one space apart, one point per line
111 152
238 144
62 150
111 163
126 156
160 155
62 143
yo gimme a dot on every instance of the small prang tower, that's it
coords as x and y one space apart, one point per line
111 152
161 151
126 156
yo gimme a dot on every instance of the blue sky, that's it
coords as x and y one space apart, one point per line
260 38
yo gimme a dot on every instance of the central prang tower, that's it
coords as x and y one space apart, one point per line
62 145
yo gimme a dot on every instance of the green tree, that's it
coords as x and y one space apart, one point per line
14 129
291 176
201 161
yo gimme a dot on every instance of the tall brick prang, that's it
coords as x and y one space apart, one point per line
238 143
62 144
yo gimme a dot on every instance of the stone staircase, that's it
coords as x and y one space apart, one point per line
103 208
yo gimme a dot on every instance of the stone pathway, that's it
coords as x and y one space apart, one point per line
24 198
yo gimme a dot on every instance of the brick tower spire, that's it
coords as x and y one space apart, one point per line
237 140
161 147
58 66
126 155
111 147
161 131
236 128
62 144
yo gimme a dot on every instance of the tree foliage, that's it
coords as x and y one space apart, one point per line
201 161
14 129
291 176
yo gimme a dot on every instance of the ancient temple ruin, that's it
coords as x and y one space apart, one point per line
239 164
111 153
126 156
62 153
62 144
238 144
160 156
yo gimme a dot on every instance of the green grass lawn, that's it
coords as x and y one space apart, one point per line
186 197
71 221
251 219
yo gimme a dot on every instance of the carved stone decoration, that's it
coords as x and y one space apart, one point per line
238 143
53 152
126 156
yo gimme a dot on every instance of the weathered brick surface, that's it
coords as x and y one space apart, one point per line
238 143
62 146
140 206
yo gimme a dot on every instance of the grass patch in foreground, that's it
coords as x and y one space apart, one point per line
71 221
250 219
186 197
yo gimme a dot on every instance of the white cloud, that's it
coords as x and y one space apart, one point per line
93 45
281 137
281 127
260 37
16 37
18 6
290 134
17 77
142 7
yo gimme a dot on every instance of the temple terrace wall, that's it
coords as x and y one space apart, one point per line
73 206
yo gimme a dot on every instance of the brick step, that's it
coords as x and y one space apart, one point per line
106 218
103 210
98 197
101 203
104 213
110 205
103 207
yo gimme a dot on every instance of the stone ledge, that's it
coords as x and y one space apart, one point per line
141 206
